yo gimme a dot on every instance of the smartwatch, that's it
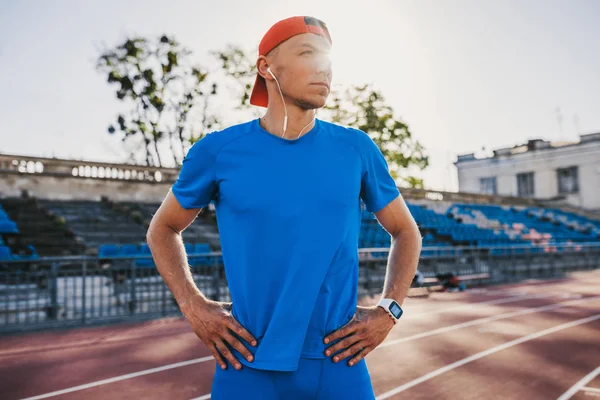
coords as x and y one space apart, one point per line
392 308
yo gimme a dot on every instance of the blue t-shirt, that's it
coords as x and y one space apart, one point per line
288 213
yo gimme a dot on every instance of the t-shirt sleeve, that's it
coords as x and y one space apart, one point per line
378 188
196 184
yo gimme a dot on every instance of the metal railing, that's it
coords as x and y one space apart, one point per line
74 291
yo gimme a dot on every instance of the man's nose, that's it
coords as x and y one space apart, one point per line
324 65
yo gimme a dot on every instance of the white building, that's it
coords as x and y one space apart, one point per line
567 172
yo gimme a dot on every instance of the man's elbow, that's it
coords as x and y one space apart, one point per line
155 231
150 234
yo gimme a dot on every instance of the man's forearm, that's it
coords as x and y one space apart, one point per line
402 264
170 258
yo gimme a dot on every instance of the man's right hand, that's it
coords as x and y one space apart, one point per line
213 323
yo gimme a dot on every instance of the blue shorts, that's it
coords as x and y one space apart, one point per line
315 379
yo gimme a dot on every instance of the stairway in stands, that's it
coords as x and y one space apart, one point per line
39 228
202 230
95 223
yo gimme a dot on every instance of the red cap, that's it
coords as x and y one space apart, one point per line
277 34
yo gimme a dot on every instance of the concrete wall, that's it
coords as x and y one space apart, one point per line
66 188
83 180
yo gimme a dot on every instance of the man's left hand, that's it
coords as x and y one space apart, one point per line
365 331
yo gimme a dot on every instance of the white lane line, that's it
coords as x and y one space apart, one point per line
485 353
577 387
483 321
120 378
591 389
204 359
206 396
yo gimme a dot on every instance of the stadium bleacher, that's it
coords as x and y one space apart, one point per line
473 244
9 227
75 227
197 252
203 229
95 223
571 220
118 229
39 229
480 225
528 224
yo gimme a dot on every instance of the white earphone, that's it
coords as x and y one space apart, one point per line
285 118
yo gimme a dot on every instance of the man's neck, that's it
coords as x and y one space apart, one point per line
298 119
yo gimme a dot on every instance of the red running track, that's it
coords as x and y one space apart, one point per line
532 340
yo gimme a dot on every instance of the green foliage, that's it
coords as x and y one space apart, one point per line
146 73
238 66
364 108
163 87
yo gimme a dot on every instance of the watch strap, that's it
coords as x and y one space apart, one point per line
385 304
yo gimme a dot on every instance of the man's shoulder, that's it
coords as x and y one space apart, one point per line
353 136
215 140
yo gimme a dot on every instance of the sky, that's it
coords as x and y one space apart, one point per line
465 75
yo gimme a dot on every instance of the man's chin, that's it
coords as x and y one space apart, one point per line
311 104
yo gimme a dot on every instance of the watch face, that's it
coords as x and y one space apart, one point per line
396 310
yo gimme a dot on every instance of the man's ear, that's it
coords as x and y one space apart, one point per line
261 66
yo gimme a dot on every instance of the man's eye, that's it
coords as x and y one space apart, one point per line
306 52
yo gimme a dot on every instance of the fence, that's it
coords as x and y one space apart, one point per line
76 291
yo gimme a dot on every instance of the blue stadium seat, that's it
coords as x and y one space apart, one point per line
200 248
8 226
108 250
145 262
5 253
129 250
33 256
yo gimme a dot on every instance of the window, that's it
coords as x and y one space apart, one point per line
525 186
568 180
487 185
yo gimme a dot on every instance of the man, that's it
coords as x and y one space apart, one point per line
287 189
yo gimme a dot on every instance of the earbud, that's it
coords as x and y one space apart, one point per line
285 118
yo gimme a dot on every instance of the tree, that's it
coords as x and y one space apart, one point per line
364 108
236 65
163 88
